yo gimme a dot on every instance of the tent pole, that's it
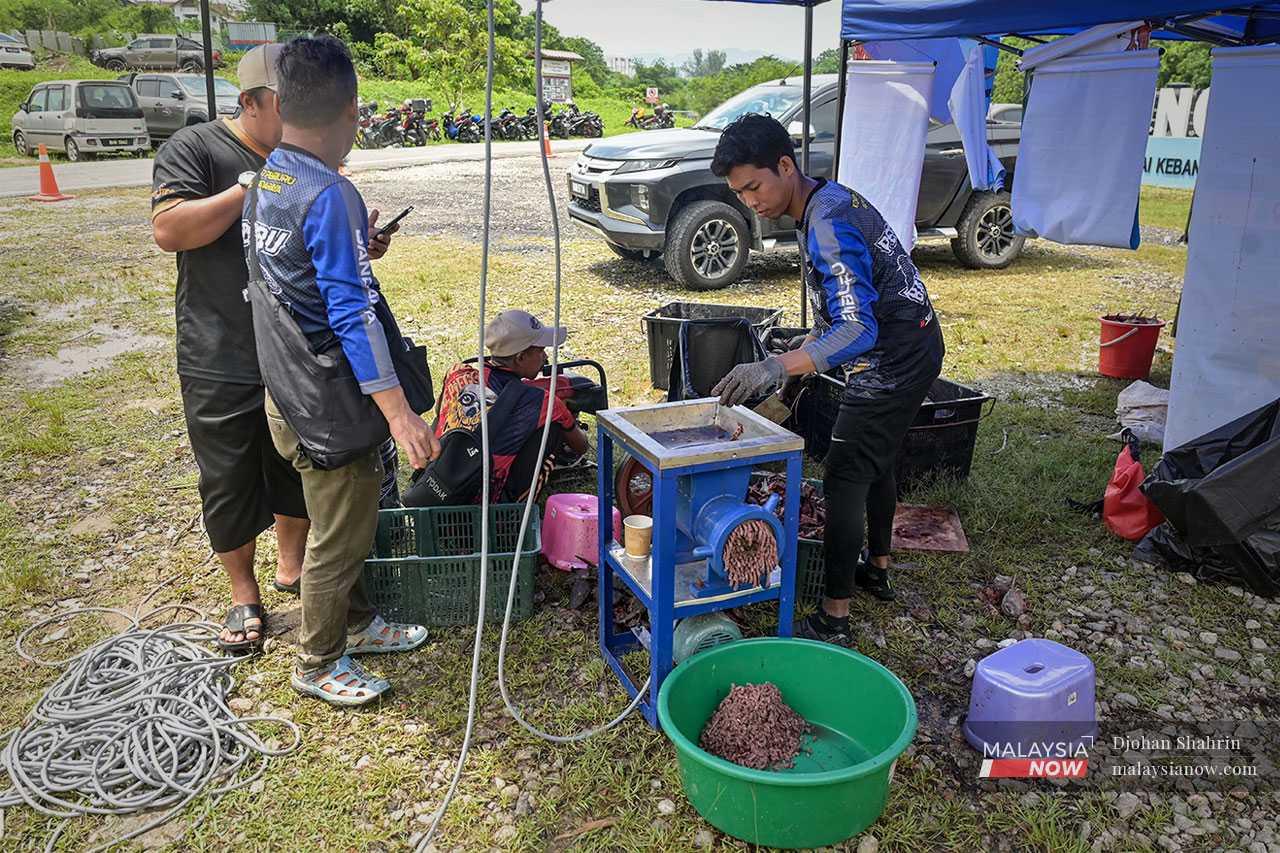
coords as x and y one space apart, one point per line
206 33
840 94
804 138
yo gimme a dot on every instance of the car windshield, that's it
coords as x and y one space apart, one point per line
106 96
222 88
770 100
7 39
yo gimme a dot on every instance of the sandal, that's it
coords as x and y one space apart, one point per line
294 589
342 682
381 637
236 620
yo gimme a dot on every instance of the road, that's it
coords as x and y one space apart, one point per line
25 180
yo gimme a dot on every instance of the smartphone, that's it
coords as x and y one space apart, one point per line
401 215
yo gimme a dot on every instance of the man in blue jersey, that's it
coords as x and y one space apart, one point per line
873 325
311 239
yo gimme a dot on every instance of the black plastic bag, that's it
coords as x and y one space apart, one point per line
706 351
1221 496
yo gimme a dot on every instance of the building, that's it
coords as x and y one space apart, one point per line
621 65
557 74
188 11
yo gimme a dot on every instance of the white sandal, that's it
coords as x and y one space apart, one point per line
381 637
343 682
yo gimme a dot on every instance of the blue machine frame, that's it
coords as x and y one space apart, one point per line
662 604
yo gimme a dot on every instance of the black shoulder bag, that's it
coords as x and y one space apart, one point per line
317 393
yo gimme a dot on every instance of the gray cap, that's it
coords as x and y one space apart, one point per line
258 68
513 332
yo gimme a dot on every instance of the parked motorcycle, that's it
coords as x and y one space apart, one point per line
461 126
662 118
529 124
364 128
414 127
583 123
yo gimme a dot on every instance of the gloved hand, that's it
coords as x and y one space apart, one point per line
750 381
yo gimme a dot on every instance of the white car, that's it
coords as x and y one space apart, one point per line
15 54
81 118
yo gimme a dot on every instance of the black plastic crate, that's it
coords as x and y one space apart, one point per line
662 327
939 442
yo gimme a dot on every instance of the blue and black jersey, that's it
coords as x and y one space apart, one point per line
872 315
313 249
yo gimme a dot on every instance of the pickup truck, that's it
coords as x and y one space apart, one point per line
170 102
653 194
166 53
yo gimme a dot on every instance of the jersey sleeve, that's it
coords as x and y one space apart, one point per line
840 255
182 170
335 233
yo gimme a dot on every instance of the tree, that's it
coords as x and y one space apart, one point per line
828 62
705 65
1186 62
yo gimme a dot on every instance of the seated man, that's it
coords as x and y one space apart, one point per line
517 344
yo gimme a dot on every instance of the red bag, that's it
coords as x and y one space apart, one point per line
1126 511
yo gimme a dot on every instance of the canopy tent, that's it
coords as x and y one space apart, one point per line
888 20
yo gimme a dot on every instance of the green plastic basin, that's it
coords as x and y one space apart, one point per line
862 718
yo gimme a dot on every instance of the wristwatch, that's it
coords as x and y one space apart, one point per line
245 179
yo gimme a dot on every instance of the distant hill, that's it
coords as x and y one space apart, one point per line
733 56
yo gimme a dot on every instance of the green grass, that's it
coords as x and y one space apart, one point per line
1164 207
110 445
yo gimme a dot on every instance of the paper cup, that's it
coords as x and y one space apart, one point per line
637 535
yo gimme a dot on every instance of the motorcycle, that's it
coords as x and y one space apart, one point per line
463 127
529 124
663 118
386 131
586 123
364 128
559 125
413 127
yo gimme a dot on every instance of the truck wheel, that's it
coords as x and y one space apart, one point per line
639 255
986 239
192 66
707 246
115 65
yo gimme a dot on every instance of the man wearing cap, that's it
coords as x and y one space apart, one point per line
199 181
517 343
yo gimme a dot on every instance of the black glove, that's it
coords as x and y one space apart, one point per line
750 381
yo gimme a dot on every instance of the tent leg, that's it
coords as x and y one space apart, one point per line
840 95
804 139
207 34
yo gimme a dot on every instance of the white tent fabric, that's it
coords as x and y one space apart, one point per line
968 107
1069 186
885 123
1227 361
1104 38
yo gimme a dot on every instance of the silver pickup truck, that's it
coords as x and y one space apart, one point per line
167 53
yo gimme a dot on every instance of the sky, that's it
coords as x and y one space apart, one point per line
675 27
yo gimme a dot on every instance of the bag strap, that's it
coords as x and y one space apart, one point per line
253 225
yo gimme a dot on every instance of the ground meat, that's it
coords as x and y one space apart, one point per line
755 728
750 552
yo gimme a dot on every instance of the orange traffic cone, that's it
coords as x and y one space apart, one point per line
546 141
48 184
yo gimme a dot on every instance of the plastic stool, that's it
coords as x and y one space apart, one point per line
569 531
1030 694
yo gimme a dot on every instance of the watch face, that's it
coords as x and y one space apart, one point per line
246 179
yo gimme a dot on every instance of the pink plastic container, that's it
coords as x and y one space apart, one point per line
569 531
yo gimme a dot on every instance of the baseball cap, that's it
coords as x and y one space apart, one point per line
513 332
258 67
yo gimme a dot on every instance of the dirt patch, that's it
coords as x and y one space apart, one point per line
76 360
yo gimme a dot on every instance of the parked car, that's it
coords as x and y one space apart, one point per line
170 102
652 193
1005 112
81 118
165 53
15 53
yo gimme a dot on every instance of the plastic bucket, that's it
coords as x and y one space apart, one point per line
862 718
1125 350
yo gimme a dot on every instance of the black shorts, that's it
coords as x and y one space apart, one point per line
243 480
868 434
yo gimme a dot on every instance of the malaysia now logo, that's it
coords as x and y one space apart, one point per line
270 240
1040 760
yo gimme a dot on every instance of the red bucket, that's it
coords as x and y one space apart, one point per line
1126 349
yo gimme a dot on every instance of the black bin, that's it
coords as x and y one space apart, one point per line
662 327
939 442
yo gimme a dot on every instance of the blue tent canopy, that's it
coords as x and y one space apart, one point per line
891 20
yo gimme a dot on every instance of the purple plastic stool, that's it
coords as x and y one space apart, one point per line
1032 693
569 531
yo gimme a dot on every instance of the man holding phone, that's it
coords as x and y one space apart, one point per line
198 189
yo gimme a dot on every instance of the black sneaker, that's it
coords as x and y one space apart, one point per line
874 581
825 629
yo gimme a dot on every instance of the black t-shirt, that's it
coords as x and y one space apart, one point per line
215 324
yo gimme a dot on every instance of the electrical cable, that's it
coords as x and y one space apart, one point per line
425 840
136 722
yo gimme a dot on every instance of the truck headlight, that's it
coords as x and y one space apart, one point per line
645 165
640 197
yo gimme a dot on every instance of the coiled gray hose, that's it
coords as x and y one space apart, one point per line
138 721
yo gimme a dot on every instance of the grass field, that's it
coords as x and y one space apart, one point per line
99 506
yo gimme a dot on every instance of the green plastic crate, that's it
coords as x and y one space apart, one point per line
425 564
